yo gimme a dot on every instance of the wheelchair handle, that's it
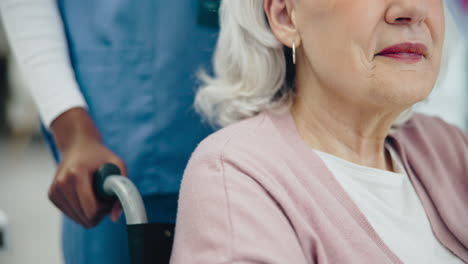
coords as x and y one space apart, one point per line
110 185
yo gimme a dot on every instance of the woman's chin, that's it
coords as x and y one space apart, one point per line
399 97
409 91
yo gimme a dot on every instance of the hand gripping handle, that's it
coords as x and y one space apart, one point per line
109 185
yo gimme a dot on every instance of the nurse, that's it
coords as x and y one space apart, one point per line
114 82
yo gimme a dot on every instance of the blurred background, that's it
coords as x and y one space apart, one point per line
30 224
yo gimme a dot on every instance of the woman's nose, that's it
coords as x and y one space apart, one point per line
406 12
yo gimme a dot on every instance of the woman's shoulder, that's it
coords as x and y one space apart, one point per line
424 129
249 135
246 145
431 142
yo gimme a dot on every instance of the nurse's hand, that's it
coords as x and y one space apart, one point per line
82 153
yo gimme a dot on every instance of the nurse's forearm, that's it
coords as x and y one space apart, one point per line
35 32
74 125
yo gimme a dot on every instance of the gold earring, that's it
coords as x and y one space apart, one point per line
294 52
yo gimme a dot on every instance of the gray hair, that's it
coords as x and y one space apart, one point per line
252 73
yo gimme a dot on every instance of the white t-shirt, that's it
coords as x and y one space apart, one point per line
392 207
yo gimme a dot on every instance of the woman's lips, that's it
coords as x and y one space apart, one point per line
406 52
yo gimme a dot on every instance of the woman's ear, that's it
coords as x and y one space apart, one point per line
282 19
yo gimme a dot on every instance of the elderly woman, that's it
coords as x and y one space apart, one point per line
319 160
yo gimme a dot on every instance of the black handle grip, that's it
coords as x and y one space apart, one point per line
100 177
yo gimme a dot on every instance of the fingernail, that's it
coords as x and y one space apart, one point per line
116 216
119 214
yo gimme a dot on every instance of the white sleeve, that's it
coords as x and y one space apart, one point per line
36 35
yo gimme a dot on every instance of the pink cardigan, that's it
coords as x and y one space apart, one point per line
254 192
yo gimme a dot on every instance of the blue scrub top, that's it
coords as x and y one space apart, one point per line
136 64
